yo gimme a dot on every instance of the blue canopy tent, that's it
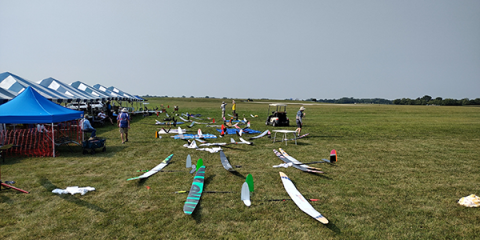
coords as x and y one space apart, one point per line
29 107
17 84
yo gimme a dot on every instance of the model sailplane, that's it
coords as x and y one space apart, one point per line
292 162
154 170
261 135
242 141
299 200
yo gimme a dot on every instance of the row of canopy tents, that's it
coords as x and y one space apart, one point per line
32 122
56 91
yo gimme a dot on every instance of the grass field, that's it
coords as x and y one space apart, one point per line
400 173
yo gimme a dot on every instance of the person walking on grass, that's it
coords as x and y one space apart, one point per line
299 120
123 120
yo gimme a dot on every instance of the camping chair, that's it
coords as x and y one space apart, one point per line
96 120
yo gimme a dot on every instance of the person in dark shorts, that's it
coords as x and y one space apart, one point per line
299 119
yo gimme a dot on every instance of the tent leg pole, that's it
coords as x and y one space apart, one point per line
53 140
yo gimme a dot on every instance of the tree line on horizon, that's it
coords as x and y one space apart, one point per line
425 100
428 100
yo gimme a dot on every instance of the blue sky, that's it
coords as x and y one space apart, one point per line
249 49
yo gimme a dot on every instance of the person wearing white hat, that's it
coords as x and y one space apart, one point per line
123 120
299 120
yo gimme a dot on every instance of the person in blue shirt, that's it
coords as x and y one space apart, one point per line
87 127
123 120
299 120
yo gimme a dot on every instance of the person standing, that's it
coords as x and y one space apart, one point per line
234 110
223 106
299 120
123 120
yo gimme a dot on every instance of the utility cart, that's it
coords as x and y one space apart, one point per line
93 144
278 115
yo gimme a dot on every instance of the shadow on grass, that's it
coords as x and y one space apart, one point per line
333 227
325 136
11 160
71 198
4 199
238 174
320 175
197 213
234 148
141 182
208 180
77 151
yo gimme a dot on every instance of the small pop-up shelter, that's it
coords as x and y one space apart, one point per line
54 122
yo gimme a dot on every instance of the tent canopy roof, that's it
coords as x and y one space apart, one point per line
30 107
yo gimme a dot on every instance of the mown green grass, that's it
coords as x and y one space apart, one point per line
401 171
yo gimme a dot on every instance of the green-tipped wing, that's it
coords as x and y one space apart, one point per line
199 163
195 191
249 181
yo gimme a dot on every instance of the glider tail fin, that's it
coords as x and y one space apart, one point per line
333 156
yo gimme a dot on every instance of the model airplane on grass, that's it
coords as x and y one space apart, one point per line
242 141
292 162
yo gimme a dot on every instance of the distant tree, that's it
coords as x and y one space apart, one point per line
192 97
426 98
450 102
207 97
465 101
183 96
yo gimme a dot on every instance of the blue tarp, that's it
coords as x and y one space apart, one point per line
30 107
194 136
236 130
